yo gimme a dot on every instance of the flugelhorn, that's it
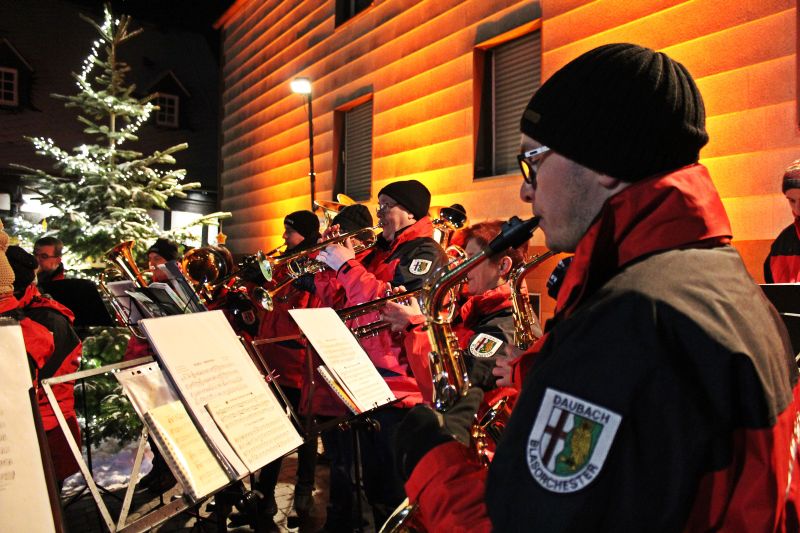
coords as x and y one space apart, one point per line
448 368
524 317
300 263
355 311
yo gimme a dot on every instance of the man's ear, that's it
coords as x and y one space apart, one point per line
612 184
505 266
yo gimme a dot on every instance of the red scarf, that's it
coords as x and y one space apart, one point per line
681 209
479 306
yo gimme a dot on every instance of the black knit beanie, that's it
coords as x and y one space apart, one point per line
791 177
305 223
24 266
620 109
411 194
165 248
353 218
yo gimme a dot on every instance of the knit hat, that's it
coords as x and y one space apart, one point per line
305 223
353 218
791 178
165 248
6 272
24 266
620 109
411 194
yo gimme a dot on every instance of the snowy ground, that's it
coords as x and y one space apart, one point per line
112 463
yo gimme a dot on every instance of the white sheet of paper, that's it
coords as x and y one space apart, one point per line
343 355
206 361
260 435
146 387
24 503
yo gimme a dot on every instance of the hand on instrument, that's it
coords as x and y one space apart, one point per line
399 314
336 255
423 429
329 233
502 371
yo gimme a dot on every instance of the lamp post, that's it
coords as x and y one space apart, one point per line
303 86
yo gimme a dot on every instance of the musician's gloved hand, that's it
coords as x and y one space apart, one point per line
423 429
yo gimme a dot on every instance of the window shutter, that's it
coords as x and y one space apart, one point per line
358 152
517 74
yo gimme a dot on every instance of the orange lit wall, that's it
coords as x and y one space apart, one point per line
416 59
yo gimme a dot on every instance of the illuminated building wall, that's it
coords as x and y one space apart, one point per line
416 60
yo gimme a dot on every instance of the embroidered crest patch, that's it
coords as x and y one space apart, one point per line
569 442
484 345
420 266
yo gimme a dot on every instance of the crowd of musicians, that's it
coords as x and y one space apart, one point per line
661 396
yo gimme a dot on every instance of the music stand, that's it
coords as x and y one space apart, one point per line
786 299
82 298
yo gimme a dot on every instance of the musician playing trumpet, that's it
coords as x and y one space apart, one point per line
404 254
484 325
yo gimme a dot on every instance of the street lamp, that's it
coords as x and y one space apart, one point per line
303 86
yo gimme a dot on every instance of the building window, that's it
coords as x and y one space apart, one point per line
9 86
347 9
355 149
167 114
510 72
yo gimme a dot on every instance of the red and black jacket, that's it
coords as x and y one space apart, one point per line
659 323
783 262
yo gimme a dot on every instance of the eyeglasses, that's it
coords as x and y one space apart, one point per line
529 163
385 207
44 256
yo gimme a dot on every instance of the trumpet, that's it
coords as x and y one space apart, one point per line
355 311
300 263
267 297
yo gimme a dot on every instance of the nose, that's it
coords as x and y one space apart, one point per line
527 193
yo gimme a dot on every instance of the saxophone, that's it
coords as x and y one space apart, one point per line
524 317
448 367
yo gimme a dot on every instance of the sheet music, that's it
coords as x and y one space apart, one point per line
343 355
206 361
24 502
196 467
259 435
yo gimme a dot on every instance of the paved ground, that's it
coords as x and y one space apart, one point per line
82 516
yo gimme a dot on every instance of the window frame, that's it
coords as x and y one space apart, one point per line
15 87
175 99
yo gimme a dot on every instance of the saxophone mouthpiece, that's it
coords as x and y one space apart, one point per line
513 233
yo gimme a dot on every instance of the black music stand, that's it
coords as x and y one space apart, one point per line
82 298
786 299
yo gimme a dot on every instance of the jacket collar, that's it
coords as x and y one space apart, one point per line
681 209
480 305
421 228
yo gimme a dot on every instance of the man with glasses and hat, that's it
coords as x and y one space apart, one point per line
663 396
405 253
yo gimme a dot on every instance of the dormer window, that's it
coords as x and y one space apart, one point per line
167 114
9 87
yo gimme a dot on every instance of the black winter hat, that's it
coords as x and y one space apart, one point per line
620 109
411 194
165 248
353 218
791 177
24 266
305 223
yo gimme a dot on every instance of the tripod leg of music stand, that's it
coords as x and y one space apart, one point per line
76 452
137 465
357 478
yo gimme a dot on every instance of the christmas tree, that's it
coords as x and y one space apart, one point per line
101 190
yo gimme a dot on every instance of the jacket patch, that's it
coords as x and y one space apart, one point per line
569 442
420 266
484 345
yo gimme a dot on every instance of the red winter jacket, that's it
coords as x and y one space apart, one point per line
405 261
653 404
66 354
783 262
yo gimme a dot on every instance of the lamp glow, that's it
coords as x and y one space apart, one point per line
301 86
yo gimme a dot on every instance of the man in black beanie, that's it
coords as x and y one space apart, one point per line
301 230
783 262
405 253
663 396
